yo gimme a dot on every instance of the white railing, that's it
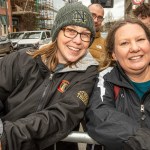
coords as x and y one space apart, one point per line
79 137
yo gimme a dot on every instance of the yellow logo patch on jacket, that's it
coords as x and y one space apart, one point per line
83 96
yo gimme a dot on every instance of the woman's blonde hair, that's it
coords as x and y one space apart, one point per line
105 61
48 51
48 55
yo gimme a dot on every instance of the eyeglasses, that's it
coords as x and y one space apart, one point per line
99 18
71 33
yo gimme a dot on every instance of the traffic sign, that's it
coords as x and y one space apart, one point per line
137 2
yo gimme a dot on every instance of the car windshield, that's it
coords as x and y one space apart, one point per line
32 35
3 38
15 35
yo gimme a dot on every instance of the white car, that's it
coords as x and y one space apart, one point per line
34 39
5 45
15 37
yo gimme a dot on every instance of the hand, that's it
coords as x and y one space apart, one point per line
141 140
131 144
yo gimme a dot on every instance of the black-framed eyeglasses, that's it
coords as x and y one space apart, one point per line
99 18
71 33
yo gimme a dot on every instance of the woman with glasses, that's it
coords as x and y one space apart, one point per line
118 115
43 94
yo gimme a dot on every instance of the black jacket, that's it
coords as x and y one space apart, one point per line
38 107
112 121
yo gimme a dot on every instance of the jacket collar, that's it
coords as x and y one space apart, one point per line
86 61
83 64
118 77
98 34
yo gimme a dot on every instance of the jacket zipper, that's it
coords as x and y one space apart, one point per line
44 93
51 76
143 112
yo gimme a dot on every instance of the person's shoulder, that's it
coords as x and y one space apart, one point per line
105 71
102 38
89 60
23 57
14 55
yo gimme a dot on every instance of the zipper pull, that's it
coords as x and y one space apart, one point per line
142 108
51 76
142 111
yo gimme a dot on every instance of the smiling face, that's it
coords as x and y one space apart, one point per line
72 49
132 49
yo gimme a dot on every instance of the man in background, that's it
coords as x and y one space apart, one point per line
98 48
142 12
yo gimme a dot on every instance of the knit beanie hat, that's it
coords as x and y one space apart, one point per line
73 14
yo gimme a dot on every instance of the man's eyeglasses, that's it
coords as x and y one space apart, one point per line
99 18
71 33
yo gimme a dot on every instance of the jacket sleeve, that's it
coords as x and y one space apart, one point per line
6 81
44 128
105 124
8 75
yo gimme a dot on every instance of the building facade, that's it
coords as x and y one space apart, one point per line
5 20
27 15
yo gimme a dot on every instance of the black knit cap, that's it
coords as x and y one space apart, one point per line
73 14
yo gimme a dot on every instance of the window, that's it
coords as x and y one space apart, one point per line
3 20
5 29
48 34
43 35
2 3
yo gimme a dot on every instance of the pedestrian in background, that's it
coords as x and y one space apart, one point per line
43 94
98 48
142 12
118 115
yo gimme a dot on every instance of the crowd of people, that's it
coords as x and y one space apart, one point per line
46 93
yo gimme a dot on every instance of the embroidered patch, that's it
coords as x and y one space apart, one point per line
83 96
99 46
63 85
80 16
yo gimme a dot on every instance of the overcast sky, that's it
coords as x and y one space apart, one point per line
117 11
58 4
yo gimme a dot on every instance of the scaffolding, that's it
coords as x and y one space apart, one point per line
32 14
20 7
46 11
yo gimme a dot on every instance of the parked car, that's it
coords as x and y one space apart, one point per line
5 45
34 39
15 37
